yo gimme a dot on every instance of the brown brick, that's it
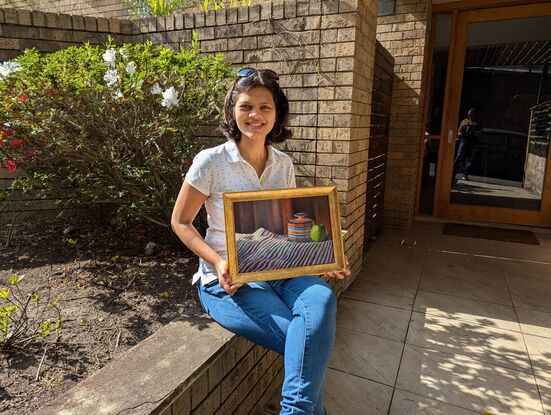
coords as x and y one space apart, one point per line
10 16
199 19
103 24
277 11
166 411
210 18
179 21
231 16
126 26
199 390
90 23
24 17
114 26
182 403
243 14
170 22
254 13
210 404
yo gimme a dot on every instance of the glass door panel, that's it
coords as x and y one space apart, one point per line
500 157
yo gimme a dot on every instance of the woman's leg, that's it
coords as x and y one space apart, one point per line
310 338
254 312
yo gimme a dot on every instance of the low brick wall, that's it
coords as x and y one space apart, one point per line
190 366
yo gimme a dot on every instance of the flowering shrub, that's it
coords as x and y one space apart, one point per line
112 125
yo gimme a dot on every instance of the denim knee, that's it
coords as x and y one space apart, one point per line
323 301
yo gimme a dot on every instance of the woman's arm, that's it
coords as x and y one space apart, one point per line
187 206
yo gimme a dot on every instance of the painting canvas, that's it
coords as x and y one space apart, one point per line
277 234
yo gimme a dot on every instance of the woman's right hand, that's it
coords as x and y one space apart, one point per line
224 278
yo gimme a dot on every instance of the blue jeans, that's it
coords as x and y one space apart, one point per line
465 156
294 317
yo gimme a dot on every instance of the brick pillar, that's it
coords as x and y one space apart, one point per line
405 36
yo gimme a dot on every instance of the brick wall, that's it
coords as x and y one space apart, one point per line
404 35
102 8
21 29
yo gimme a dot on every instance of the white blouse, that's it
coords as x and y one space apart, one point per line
222 169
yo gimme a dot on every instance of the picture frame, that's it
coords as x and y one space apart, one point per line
283 233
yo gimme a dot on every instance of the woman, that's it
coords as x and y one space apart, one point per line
294 317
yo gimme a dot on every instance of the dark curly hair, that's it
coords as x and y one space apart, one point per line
258 78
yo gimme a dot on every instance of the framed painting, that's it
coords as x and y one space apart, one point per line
277 234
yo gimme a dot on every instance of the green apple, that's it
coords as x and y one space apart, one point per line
318 232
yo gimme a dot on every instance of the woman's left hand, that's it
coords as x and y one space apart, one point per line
345 272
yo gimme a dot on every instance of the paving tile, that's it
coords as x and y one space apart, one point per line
530 284
394 295
406 403
463 382
459 244
539 349
481 342
459 308
462 265
416 237
534 322
377 320
490 289
539 253
366 356
350 395
465 276
393 265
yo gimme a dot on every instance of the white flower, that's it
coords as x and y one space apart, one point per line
117 94
156 89
123 53
8 67
170 98
130 68
111 77
109 57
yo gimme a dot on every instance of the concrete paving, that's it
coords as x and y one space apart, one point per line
439 324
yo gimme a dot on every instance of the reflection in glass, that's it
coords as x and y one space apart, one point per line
433 123
506 82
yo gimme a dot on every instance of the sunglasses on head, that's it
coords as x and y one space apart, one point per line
243 73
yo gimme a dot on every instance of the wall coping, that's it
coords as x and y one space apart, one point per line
153 372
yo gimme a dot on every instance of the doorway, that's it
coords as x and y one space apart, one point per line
489 116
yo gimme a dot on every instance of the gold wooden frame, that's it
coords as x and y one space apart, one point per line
230 198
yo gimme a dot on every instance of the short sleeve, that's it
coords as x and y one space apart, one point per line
199 174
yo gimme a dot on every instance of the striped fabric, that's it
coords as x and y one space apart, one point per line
265 250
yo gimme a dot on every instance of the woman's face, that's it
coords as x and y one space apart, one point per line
255 113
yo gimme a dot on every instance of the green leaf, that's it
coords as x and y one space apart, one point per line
4 293
35 296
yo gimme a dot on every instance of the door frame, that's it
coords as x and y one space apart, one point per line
450 120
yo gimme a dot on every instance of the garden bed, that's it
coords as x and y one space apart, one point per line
110 294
